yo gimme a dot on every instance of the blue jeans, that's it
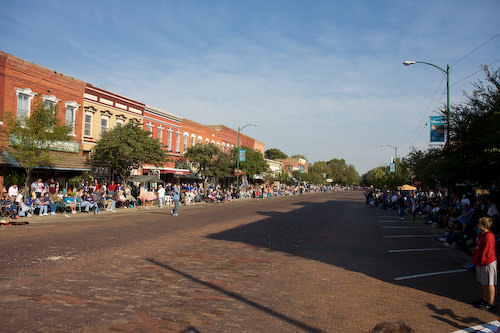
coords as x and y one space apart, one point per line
401 211
176 205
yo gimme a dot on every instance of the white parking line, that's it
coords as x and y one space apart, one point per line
420 250
410 236
490 327
391 221
399 227
429 274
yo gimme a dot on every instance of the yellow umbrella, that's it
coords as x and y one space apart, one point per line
407 187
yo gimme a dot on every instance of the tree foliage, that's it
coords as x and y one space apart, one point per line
275 154
254 163
124 148
31 137
473 154
209 161
337 170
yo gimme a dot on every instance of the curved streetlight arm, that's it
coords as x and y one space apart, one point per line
411 62
447 75
240 128
238 158
395 155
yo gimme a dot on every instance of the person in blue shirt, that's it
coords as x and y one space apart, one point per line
177 199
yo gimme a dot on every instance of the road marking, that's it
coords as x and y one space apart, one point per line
429 274
399 227
409 236
490 327
391 221
420 250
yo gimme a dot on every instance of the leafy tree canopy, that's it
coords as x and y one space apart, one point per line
274 154
31 137
254 163
209 161
125 148
473 154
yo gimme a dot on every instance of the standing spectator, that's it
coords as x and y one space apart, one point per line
38 188
465 202
492 209
177 199
485 260
402 204
53 189
161 195
13 192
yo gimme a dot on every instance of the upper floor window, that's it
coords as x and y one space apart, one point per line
178 141
169 140
185 142
50 101
24 97
71 108
149 127
193 140
160 133
104 124
200 139
87 131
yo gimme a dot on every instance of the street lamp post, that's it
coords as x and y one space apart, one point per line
395 157
238 158
447 74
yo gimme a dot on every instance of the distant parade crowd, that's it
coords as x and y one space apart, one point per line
48 198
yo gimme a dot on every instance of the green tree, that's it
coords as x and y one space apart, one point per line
125 148
209 161
274 154
31 138
473 154
254 163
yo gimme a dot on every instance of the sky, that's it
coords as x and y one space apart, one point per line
324 79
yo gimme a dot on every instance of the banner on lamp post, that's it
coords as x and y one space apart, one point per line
242 155
437 128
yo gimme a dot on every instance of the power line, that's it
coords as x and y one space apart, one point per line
468 76
477 48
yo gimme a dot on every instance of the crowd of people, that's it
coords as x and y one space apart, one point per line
49 198
458 215
469 222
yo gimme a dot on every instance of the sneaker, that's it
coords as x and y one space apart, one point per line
52 213
73 212
176 214
45 214
446 244
442 239
486 306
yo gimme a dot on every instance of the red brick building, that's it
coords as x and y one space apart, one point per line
21 84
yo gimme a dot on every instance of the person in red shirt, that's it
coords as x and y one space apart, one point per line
485 259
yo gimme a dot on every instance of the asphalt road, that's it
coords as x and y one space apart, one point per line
313 263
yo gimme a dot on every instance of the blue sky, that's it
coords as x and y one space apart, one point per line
321 78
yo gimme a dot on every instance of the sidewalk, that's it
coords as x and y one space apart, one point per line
64 217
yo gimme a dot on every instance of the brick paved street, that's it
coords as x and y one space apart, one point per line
296 264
